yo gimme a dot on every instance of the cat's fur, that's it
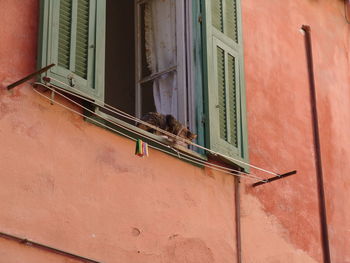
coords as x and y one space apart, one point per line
167 123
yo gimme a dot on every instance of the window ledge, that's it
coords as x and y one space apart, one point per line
164 144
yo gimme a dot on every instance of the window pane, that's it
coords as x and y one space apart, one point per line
148 104
160 95
158 36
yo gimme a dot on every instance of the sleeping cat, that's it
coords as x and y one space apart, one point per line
167 123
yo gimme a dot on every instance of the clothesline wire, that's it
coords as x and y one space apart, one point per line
175 153
119 112
184 156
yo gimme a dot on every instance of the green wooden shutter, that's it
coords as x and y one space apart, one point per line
69 39
226 122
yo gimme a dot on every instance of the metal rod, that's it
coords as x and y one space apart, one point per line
45 247
26 78
238 219
317 147
158 75
280 176
133 118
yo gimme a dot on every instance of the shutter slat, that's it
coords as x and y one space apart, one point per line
217 14
222 93
82 38
82 63
81 54
230 25
64 35
65 11
65 42
65 30
232 99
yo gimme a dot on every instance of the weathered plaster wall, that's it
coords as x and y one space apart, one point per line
280 131
74 186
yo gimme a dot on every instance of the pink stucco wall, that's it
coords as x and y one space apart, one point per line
280 131
74 186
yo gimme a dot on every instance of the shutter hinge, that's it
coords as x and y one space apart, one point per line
203 119
71 80
200 19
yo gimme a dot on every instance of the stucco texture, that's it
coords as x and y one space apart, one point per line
72 185
280 126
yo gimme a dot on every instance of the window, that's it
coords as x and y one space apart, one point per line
179 57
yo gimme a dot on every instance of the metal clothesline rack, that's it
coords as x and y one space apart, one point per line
277 176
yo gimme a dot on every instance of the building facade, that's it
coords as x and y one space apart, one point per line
238 72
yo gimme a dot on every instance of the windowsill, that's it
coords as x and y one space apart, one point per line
164 144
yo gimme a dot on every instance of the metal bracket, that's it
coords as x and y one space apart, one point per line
71 80
28 77
280 176
52 97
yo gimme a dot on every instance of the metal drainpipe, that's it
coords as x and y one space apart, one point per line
317 147
238 220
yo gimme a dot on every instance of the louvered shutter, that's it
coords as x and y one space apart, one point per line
226 124
70 39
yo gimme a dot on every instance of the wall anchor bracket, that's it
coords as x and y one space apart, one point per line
28 77
279 176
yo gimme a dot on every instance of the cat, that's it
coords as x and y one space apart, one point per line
166 122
